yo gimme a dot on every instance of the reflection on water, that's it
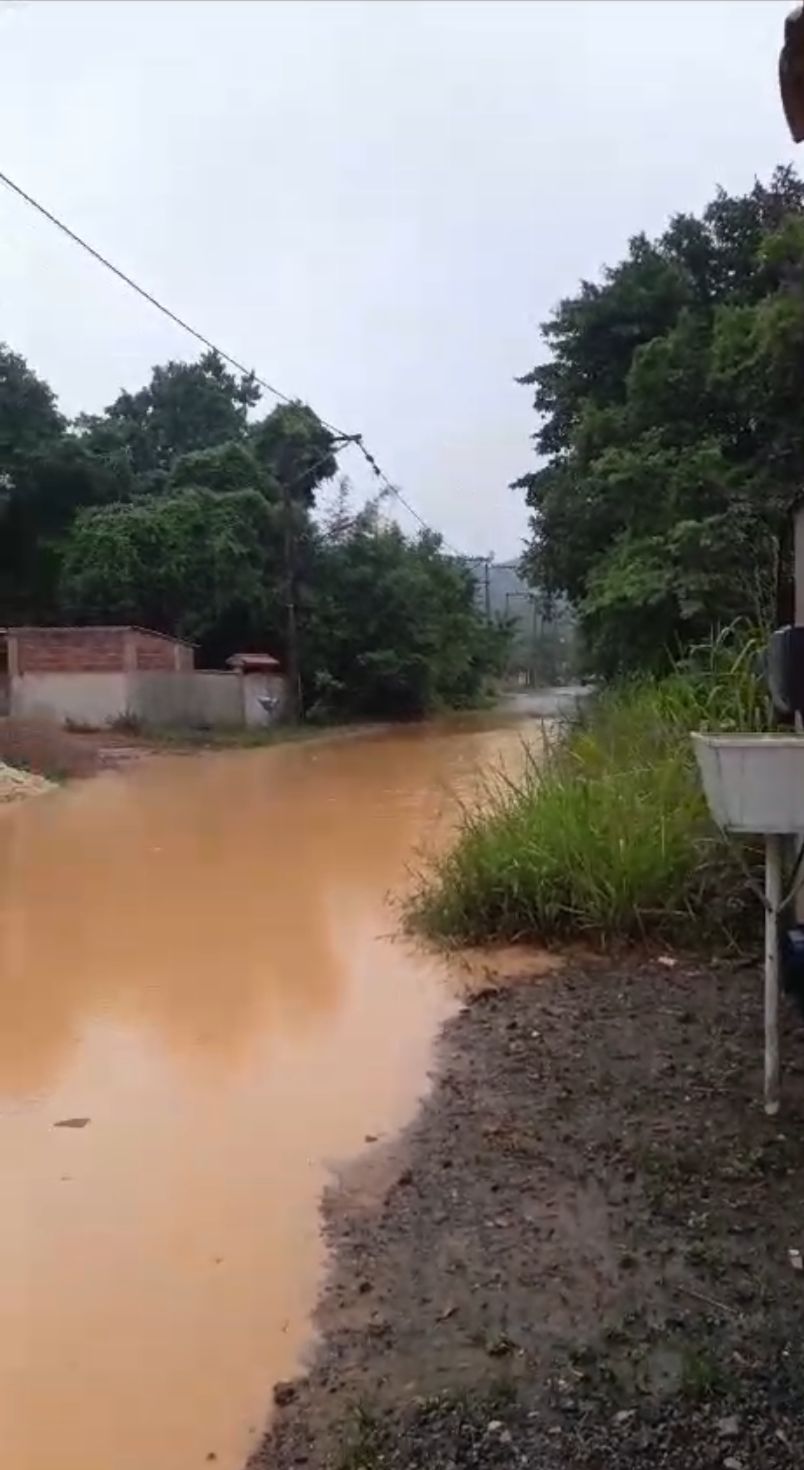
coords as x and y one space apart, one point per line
196 955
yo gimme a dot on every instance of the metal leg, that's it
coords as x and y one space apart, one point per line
773 896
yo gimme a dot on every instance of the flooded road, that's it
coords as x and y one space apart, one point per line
197 957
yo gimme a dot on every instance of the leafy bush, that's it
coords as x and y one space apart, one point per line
607 832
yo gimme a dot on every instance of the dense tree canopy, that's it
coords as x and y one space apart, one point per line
187 406
225 468
177 510
295 451
671 435
46 475
199 564
392 624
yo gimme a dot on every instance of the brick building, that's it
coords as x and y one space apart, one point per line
94 651
96 677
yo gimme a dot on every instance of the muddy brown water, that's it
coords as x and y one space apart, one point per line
198 957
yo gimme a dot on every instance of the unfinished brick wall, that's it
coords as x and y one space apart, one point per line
68 650
94 651
154 654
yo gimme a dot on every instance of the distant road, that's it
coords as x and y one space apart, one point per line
564 699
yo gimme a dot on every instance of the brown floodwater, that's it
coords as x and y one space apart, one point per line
198 956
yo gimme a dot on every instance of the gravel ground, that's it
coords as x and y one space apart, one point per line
577 1257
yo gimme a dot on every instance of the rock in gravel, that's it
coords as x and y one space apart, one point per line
729 1427
284 1393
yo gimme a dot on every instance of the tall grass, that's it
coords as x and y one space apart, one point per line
607 834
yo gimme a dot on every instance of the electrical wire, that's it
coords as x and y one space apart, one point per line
392 489
178 321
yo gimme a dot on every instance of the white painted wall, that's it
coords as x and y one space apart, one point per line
202 697
263 686
199 697
83 699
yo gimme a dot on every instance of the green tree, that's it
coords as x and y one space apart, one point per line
295 450
174 511
670 437
198 564
45 475
225 468
29 417
187 406
391 625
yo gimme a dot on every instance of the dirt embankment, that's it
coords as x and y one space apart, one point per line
48 750
15 784
578 1255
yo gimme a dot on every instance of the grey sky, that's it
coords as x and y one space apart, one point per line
373 203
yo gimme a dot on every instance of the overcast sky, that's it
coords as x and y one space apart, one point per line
375 204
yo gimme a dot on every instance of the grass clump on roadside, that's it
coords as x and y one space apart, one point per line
607 832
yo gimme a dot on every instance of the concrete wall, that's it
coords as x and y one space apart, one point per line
82 699
263 686
197 697
200 697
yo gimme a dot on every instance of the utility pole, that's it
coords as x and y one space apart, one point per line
487 585
293 702
293 670
534 636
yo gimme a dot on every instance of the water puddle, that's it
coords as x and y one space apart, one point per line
201 1010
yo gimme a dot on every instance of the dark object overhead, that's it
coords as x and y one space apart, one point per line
791 73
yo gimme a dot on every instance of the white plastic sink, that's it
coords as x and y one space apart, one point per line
753 783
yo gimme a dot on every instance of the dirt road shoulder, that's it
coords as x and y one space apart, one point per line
578 1255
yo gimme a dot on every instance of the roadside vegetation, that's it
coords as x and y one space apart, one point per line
671 450
181 508
607 832
670 435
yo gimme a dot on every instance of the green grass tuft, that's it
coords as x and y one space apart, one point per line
607 833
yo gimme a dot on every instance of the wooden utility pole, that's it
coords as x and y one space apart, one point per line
293 668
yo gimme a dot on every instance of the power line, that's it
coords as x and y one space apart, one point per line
392 490
146 295
205 341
